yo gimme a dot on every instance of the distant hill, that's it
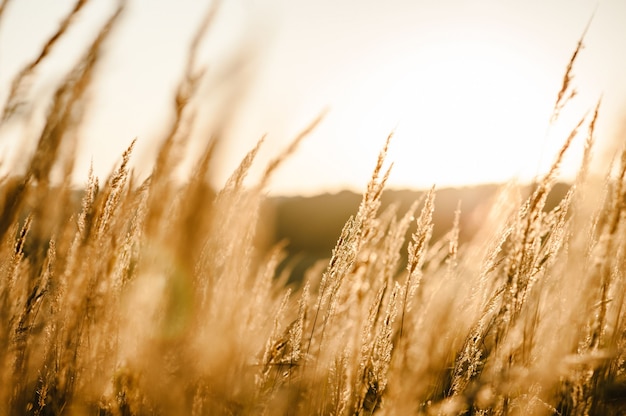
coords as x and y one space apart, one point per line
312 225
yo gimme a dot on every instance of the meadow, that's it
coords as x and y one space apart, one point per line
155 297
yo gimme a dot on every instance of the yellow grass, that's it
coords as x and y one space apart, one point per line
154 298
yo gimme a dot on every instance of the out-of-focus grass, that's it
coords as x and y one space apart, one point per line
153 297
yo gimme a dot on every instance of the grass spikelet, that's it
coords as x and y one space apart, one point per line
589 143
277 351
18 85
297 330
354 236
342 260
339 380
374 376
417 251
395 240
170 150
113 193
29 316
453 242
567 92
290 149
67 107
370 204
235 181
162 297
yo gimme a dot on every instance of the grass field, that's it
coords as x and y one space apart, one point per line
156 297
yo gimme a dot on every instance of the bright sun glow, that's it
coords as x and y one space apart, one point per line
469 103
466 87
470 113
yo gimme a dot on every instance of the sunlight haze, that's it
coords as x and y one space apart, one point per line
467 87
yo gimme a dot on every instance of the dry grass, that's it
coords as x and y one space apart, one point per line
154 298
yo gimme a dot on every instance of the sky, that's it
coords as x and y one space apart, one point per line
466 86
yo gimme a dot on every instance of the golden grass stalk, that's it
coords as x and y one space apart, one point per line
20 81
157 298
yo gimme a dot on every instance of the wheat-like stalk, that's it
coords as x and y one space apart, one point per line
157 297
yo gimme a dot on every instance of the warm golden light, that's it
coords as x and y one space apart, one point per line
467 112
467 88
